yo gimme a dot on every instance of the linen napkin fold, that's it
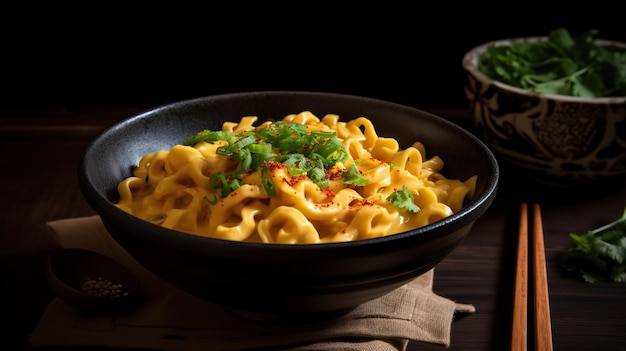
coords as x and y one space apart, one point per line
170 319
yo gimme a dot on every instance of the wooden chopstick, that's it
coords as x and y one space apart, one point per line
543 327
520 294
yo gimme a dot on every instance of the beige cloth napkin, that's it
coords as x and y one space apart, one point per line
170 319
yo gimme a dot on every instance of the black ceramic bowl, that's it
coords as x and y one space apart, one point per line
279 282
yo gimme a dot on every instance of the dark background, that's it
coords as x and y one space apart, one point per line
78 57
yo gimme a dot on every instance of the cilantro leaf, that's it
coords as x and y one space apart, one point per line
561 64
353 176
403 199
599 254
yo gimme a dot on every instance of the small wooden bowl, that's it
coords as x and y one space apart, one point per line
68 270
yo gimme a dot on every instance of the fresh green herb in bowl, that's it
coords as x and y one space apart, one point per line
559 64
552 107
599 254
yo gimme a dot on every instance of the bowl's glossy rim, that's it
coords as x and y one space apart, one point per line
466 216
470 64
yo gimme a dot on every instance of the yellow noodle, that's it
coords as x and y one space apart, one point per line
171 188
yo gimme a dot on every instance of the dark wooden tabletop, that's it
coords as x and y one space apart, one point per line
40 150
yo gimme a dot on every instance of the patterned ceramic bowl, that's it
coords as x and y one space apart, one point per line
557 139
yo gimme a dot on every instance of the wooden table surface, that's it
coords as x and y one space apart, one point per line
40 150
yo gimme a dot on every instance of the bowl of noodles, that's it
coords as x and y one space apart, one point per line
284 206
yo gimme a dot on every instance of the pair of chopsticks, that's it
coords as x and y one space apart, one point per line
543 327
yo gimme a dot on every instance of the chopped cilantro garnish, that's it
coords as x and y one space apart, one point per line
206 135
599 254
268 183
222 183
353 176
562 64
303 152
403 199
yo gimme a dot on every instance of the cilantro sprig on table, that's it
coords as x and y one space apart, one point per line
562 64
599 254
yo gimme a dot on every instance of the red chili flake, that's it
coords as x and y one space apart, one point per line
368 203
372 158
295 180
326 205
274 165
334 173
329 192
358 204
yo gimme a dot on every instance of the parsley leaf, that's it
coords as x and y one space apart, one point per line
562 64
599 254
403 199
